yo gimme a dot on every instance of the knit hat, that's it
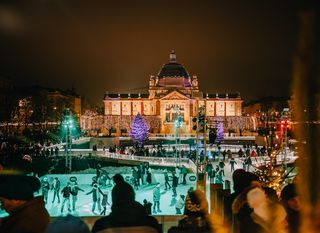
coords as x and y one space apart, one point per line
18 186
196 202
122 192
242 180
68 224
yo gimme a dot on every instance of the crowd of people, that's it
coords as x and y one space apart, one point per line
28 213
12 152
250 208
142 177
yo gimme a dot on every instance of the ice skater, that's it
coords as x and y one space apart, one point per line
219 177
98 171
66 191
166 180
221 166
175 181
212 176
149 179
180 204
232 163
135 178
248 163
45 186
96 191
184 173
104 202
74 194
156 199
56 189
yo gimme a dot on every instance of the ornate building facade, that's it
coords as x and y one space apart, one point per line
172 93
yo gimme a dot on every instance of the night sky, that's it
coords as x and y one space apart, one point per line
98 46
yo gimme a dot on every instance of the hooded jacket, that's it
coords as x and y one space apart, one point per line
256 213
31 217
126 215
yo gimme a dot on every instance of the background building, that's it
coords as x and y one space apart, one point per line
172 93
35 106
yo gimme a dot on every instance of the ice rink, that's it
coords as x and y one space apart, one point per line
84 202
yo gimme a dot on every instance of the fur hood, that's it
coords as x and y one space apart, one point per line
271 216
241 200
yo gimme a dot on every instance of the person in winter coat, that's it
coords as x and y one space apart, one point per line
232 163
180 204
149 179
212 176
104 202
241 181
209 168
68 224
74 194
126 215
45 186
291 202
98 171
26 212
66 192
248 163
166 180
256 213
56 189
147 205
184 173
221 167
197 217
96 191
175 181
156 199
135 178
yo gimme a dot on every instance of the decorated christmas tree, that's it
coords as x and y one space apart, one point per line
139 130
220 132
272 174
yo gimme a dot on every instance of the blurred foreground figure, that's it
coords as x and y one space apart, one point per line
258 213
291 203
27 214
126 215
197 219
68 224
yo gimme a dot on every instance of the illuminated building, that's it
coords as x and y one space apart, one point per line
172 93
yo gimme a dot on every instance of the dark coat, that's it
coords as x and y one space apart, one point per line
243 212
56 186
95 194
66 191
126 215
104 200
175 181
74 190
32 217
193 224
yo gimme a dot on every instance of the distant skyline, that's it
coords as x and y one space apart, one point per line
232 46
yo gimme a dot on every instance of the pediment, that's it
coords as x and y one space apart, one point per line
175 95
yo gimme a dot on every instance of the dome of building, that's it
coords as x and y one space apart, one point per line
173 69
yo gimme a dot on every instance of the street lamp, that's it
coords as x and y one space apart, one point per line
178 123
68 125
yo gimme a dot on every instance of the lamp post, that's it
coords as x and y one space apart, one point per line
201 125
284 143
178 124
68 125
